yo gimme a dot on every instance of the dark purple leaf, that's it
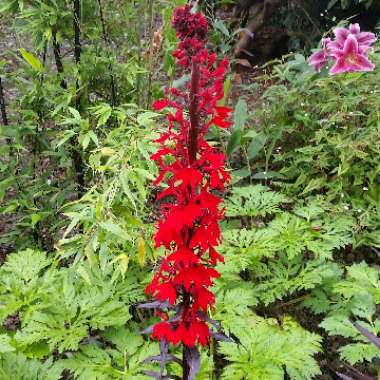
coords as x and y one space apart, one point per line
158 376
343 377
376 251
193 359
153 374
153 305
165 359
358 374
148 330
164 347
217 335
372 338
221 337
212 322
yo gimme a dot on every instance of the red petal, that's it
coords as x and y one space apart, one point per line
158 105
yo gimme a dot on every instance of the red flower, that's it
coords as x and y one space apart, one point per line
191 169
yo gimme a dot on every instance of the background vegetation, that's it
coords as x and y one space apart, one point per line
302 228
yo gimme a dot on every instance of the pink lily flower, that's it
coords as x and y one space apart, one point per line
351 58
319 58
365 39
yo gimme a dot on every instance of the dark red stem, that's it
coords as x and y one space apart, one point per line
192 148
194 113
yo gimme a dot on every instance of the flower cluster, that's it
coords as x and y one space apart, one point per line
349 51
193 171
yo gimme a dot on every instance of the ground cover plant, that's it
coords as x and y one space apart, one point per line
169 211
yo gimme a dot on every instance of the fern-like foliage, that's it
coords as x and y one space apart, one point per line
355 296
16 366
59 311
22 282
290 253
254 201
269 348
124 361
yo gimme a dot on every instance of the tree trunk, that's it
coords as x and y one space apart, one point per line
262 12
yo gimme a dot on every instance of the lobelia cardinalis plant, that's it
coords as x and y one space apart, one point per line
349 51
193 172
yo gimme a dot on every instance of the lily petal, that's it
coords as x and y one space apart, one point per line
354 28
341 35
318 60
366 38
351 45
363 63
339 67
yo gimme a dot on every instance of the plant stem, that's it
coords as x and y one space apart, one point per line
140 36
185 365
2 105
4 116
78 162
193 112
57 56
108 45
150 57
192 151
77 46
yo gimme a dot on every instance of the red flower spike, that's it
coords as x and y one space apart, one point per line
191 168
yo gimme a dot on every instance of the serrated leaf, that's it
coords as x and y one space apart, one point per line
5 344
115 229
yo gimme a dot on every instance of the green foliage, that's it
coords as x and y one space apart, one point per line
287 244
19 367
345 4
254 201
274 253
356 295
61 309
268 348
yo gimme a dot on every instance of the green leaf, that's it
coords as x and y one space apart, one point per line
240 114
35 219
219 24
267 175
67 135
332 3
5 344
256 145
31 59
124 180
234 142
115 230
146 117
